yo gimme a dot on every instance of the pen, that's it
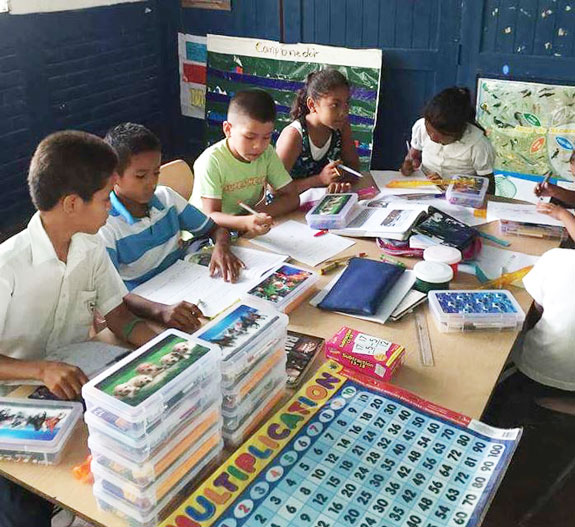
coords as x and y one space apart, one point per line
345 167
408 149
320 233
247 207
545 180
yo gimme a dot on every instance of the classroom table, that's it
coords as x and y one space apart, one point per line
466 369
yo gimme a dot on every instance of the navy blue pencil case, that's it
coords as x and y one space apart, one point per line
362 287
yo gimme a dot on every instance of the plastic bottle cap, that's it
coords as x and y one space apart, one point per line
442 254
433 272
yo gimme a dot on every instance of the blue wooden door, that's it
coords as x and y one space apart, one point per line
420 41
530 40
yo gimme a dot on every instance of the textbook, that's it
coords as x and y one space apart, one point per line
389 222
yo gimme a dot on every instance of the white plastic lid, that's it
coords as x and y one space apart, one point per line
442 254
433 272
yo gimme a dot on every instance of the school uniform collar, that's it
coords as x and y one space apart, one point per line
40 243
118 208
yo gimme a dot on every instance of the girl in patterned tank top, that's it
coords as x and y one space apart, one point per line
319 138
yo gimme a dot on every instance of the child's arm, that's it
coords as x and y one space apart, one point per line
555 191
561 214
128 327
349 154
254 224
288 149
223 260
183 315
286 199
63 380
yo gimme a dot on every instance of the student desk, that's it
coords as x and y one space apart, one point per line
466 369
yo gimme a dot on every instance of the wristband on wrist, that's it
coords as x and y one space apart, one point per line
129 327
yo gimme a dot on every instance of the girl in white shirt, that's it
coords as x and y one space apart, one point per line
319 137
448 141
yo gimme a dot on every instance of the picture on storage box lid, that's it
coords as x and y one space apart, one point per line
152 370
18 422
237 327
280 283
332 205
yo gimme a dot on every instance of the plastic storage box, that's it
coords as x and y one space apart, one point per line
334 211
468 191
151 518
531 229
143 387
235 395
460 310
237 416
237 437
149 446
36 431
246 334
145 498
285 287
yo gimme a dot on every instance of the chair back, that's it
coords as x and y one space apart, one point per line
178 176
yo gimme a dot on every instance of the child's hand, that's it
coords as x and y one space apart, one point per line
63 380
225 263
407 167
330 174
555 211
183 316
338 188
258 224
546 189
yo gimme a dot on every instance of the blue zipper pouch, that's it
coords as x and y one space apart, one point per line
362 287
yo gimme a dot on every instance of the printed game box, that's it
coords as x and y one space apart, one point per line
334 211
148 382
301 352
365 354
461 310
36 431
285 287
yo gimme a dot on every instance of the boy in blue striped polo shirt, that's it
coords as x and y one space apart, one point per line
142 233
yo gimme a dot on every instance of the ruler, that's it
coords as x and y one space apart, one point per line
425 351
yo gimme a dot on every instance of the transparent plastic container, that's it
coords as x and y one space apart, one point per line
238 436
202 388
235 395
245 333
145 498
143 473
205 413
334 211
461 310
467 191
284 288
145 385
531 230
152 518
36 431
235 418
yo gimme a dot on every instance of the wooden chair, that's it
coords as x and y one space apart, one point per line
178 176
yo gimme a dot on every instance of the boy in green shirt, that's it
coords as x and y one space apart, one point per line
239 167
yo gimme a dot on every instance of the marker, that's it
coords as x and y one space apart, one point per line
330 267
320 233
392 261
545 180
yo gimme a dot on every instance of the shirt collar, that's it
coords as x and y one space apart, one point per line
42 248
118 208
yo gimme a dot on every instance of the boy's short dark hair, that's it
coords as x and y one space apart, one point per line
69 162
255 104
130 139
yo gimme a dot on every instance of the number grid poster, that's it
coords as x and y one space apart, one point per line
341 454
532 128
281 69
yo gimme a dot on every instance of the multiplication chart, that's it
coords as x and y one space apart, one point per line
340 454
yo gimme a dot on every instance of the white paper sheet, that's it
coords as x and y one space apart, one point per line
520 212
392 300
298 241
192 282
494 261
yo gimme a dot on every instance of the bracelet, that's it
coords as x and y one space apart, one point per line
129 327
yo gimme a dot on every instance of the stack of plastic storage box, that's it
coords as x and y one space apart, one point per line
154 423
252 339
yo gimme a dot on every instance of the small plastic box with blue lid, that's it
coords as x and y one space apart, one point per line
462 310
334 211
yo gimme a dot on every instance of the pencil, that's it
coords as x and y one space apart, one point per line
345 167
247 207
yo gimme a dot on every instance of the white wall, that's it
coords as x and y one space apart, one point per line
21 7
